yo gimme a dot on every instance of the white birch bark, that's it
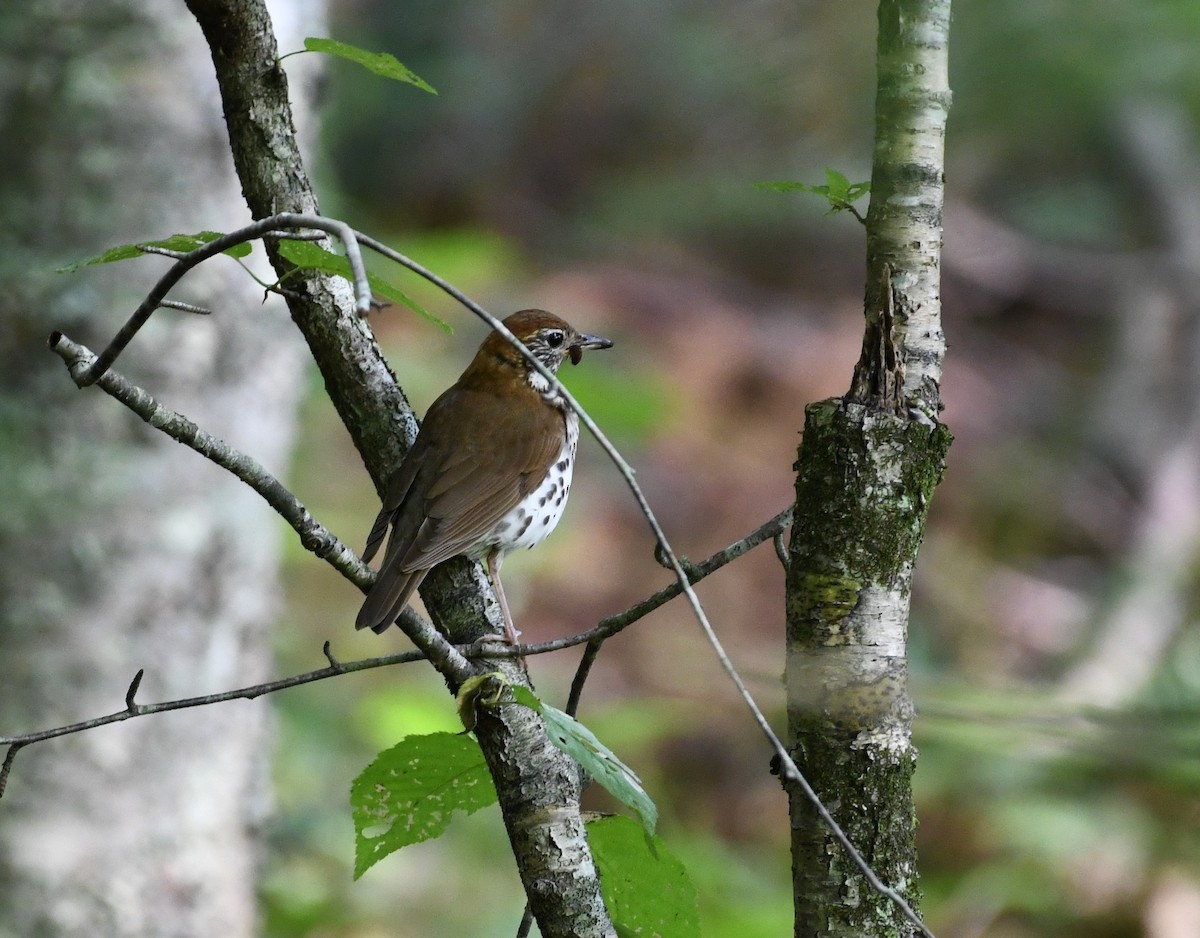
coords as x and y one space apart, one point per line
128 551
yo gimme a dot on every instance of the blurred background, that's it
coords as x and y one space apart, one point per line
599 160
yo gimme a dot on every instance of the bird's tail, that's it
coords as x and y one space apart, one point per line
387 598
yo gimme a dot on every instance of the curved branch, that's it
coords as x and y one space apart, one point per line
313 536
788 769
157 296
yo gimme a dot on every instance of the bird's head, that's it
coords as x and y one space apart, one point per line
549 338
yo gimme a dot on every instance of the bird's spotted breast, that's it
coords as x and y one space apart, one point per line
538 513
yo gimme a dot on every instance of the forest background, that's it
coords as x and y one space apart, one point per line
600 161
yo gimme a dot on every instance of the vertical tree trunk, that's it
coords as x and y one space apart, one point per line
867 468
122 550
539 787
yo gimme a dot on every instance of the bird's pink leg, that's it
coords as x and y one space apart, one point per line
494 559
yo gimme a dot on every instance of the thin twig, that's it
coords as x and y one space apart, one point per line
316 538
781 551
186 307
336 667
133 689
162 251
183 264
6 769
133 709
613 624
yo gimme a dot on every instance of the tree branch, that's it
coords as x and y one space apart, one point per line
83 364
157 296
594 637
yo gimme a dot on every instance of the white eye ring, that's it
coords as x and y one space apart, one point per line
554 338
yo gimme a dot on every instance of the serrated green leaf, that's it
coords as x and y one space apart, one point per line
411 791
314 257
646 888
600 762
836 184
383 64
838 191
182 243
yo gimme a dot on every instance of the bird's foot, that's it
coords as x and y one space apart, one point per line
492 638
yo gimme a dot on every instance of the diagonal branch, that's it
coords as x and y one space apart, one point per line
594 637
613 624
81 362
316 538
788 768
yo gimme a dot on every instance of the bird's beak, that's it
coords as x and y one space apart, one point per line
587 341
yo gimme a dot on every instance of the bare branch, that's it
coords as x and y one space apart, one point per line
251 692
133 689
696 572
185 307
161 251
593 637
315 538
6 769
781 550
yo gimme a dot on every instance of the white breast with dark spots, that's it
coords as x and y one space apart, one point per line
536 515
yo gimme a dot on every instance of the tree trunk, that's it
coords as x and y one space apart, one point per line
867 469
121 549
538 786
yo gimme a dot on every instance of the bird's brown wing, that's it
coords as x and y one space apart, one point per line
453 488
482 478
402 512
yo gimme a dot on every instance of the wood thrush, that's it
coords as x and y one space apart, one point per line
489 472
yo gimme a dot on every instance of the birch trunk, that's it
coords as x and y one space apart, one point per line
867 469
122 550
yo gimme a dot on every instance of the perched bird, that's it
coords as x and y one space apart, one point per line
489 472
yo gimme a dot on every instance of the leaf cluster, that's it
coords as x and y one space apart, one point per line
410 793
838 191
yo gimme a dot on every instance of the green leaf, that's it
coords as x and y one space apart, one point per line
383 64
411 791
836 184
581 744
838 191
313 257
182 243
646 888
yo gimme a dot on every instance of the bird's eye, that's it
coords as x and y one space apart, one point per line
554 338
